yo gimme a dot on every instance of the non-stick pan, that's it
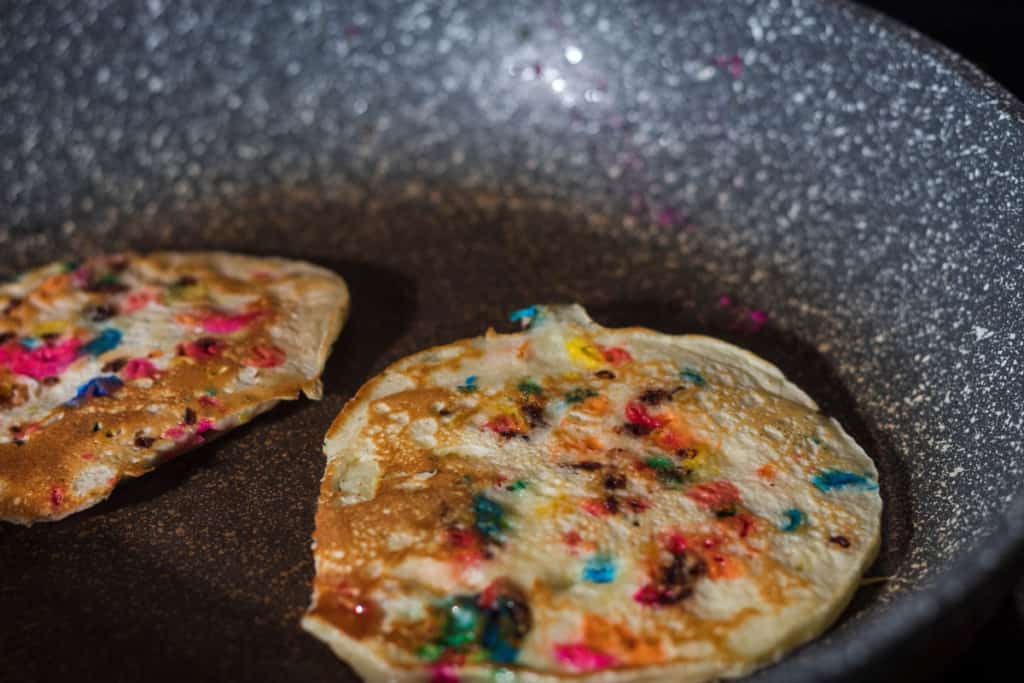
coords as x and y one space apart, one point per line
680 165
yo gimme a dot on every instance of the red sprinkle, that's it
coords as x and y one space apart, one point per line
87 456
134 301
616 356
209 402
264 357
638 415
56 496
715 495
201 349
503 425
572 538
597 508
138 368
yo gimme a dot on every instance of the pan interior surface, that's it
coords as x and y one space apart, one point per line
798 178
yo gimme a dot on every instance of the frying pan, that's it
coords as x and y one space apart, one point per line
858 185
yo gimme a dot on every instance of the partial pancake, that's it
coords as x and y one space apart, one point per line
111 366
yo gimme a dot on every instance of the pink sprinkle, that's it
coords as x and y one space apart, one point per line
87 456
57 496
209 402
734 64
41 362
139 368
176 433
724 301
443 673
134 301
580 658
220 323
757 320
666 217
204 426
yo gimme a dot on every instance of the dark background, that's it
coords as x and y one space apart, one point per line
990 34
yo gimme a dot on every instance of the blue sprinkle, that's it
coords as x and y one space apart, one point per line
694 377
470 386
108 339
599 569
29 343
528 313
529 316
97 387
499 649
829 480
794 519
489 519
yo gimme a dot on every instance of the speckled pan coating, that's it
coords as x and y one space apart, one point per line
858 184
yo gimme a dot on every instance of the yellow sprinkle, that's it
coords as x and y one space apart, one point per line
582 352
50 327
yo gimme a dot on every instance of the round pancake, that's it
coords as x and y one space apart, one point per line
110 366
587 503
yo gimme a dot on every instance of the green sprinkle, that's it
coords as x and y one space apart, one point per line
660 463
578 395
693 377
529 387
211 392
517 485
431 652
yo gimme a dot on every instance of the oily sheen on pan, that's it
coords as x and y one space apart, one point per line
114 364
576 502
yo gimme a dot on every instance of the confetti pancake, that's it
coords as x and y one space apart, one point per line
576 502
111 366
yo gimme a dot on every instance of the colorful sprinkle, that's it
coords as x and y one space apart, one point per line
220 323
264 356
56 496
526 316
201 349
138 368
617 356
97 387
107 340
469 386
579 657
599 569
757 319
693 377
529 388
794 519
517 485
637 415
135 301
579 395
715 495
584 353
830 480
42 362
489 519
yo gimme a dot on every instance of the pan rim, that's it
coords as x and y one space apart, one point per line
993 556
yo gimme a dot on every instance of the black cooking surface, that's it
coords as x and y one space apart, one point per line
453 164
